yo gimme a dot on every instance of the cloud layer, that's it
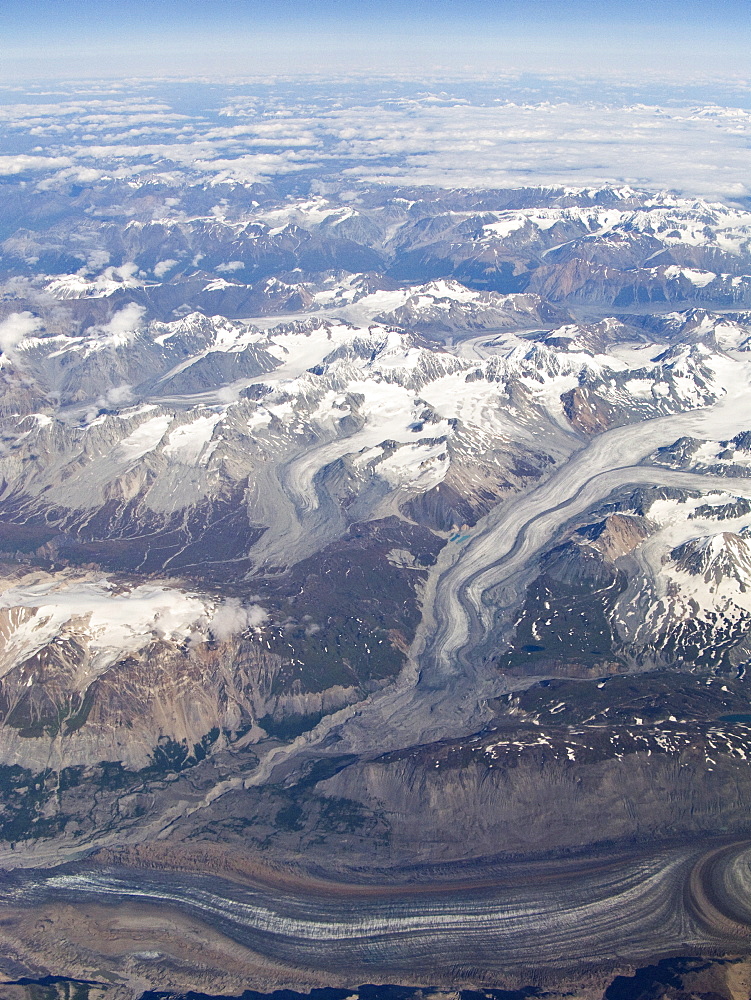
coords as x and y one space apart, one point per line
15 327
471 136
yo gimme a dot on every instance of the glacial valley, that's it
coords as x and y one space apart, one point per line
376 581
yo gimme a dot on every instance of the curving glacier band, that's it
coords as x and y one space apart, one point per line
562 914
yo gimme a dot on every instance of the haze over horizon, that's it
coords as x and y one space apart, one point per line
77 38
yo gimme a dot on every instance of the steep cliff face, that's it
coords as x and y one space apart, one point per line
676 979
162 696
563 766
530 793
97 669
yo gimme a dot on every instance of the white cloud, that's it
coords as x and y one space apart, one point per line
443 140
15 327
163 267
126 274
70 175
124 323
231 265
297 132
10 165
232 617
697 151
98 259
116 396
249 169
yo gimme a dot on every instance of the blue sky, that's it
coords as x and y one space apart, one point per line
89 37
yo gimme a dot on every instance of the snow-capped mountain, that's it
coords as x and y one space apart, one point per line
268 467
375 537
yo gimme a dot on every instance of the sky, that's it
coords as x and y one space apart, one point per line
85 38
653 93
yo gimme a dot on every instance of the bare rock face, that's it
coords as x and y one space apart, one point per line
535 792
620 534
71 695
586 411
